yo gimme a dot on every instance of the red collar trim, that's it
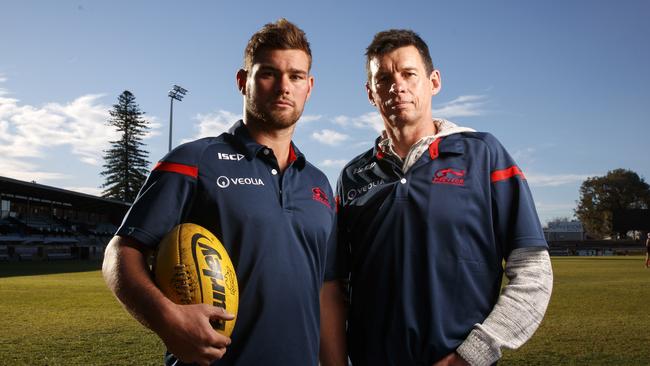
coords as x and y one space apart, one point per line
433 148
292 154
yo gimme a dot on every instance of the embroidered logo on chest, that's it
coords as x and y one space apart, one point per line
354 193
233 157
451 176
364 168
225 182
320 196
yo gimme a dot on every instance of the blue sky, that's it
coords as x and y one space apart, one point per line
565 85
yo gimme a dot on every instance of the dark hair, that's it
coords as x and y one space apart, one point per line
281 35
387 41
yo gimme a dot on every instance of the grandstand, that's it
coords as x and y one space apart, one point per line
39 222
596 247
569 238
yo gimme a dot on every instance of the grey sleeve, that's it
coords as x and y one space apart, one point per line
518 311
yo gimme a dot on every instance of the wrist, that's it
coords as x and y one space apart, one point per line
477 350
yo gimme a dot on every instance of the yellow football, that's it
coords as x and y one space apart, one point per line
192 267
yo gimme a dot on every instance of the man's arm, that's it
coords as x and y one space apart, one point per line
519 310
332 325
185 329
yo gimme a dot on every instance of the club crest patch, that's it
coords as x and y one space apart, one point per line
451 176
320 196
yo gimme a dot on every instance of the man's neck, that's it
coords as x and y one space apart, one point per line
404 136
279 140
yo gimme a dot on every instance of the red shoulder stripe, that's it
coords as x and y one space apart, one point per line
507 173
188 170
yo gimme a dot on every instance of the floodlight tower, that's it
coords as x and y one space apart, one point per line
177 93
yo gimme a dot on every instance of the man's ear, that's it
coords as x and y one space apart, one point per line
241 77
436 82
310 81
371 99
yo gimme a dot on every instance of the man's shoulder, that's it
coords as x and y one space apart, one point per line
479 136
360 161
192 151
317 175
358 171
483 141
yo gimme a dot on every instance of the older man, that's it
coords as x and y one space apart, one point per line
429 214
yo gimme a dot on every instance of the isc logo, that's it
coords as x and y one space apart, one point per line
235 157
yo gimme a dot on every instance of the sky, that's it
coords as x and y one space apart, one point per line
564 85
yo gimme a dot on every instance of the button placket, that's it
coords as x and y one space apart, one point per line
403 186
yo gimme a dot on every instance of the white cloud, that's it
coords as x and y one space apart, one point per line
310 118
22 170
87 190
364 144
524 156
341 120
463 106
333 163
213 124
155 127
3 79
28 131
368 120
554 180
329 137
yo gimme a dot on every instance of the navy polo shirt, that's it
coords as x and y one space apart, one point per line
277 228
426 247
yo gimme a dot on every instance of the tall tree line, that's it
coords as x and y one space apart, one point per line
601 197
125 162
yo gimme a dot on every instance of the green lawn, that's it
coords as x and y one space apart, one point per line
599 315
68 319
60 313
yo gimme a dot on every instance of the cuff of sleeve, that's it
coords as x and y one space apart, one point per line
139 235
478 350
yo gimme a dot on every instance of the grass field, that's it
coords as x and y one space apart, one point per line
60 313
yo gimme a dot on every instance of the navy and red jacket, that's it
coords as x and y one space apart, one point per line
278 228
426 247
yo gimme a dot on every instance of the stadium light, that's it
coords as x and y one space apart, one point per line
177 93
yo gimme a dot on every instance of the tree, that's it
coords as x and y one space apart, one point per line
125 163
619 189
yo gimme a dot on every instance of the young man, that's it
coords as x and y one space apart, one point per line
272 210
429 213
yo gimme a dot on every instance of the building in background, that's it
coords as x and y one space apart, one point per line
564 231
39 222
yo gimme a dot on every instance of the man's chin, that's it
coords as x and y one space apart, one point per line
282 120
402 119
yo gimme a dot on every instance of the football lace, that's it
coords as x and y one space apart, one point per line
183 284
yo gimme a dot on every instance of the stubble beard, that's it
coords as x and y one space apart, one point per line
272 119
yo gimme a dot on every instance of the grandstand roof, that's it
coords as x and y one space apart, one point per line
78 200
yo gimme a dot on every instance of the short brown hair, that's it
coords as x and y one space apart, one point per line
392 39
281 35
